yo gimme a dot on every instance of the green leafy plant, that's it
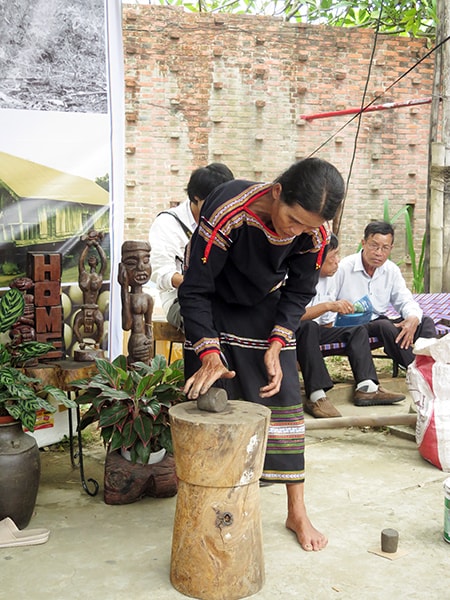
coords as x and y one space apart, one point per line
399 17
20 395
417 261
131 403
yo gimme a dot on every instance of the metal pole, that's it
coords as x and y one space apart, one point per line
444 8
372 108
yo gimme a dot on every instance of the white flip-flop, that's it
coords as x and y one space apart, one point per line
11 535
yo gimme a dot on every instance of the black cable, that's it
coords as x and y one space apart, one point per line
363 99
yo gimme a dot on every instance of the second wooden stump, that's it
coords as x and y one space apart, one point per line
217 551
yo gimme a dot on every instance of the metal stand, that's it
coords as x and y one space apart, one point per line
76 455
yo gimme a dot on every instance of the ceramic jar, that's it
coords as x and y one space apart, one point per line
20 470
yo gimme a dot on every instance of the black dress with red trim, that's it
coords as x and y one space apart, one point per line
235 257
244 285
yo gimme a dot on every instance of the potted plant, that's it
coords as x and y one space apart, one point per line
131 405
20 397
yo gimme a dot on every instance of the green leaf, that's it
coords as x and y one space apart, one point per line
59 396
178 366
146 386
159 362
165 440
112 415
152 408
142 368
87 396
90 416
143 426
116 441
128 435
108 371
106 433
7 376
418 266
14 411
23 413
141 452
113 393
37 403
129 383
120 362
4 355
12 305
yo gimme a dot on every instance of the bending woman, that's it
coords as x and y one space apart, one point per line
253 264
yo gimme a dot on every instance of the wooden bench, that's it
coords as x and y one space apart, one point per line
436 306
164 332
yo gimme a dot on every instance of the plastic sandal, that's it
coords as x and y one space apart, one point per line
11 536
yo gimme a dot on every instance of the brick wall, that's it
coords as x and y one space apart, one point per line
232 89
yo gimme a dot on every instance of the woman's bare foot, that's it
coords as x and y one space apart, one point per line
297 520
307 535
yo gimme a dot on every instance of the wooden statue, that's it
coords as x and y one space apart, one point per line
90 319
137 305
24 329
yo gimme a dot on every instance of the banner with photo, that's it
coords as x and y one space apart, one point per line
61 165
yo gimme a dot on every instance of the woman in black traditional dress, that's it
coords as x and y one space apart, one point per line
253 264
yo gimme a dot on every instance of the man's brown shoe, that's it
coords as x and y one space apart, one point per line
322 409
381 396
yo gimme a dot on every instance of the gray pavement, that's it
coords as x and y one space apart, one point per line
358 483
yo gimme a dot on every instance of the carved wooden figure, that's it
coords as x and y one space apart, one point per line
25 326
88 325
137 305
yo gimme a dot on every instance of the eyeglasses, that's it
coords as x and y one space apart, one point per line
384 249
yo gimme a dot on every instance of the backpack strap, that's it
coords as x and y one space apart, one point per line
186 230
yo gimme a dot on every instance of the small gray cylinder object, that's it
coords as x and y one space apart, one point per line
389 540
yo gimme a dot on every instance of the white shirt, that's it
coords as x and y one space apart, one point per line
168 241
325 292
386 286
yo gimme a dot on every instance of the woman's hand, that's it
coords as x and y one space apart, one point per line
274 372
211 370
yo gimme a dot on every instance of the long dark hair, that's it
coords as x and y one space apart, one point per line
315 184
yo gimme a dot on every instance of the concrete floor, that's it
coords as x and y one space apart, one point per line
358 483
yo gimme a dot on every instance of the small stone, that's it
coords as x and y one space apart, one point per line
215 400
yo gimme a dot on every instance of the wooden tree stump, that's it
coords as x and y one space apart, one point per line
70 370
48 374
61 373
126 482
217 551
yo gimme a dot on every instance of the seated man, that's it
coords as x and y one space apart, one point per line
316 328
171 231
370 272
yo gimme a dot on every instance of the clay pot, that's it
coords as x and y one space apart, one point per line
20 470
